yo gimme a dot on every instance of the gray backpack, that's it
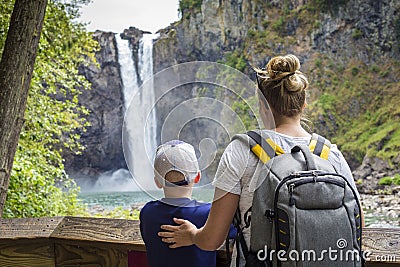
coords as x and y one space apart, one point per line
304 213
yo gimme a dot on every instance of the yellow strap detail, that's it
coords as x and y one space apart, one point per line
283 245
260 153
312 145
283 232
325 152
278 149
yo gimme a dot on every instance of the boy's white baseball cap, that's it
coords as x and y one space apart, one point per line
177 156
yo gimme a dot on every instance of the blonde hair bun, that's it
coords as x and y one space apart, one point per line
283 84
286 68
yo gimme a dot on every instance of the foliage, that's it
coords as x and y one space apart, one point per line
39 185
241 100
354 71
279 25
6 8
357 106
318 63
235 60
390 180
245 109
326 101
189 6
357 34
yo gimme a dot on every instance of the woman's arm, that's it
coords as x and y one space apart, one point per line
213 233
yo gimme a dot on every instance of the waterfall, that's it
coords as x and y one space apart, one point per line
140 125
128 69
148 100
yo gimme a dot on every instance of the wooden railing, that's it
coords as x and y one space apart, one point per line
76 241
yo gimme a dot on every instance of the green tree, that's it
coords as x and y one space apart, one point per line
39 185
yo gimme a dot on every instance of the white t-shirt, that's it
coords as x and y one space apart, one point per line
238 170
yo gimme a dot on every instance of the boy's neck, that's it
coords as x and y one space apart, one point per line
178 192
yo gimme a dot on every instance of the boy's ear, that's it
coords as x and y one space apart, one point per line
197 179
158 184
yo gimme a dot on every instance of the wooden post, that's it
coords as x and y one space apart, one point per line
16 68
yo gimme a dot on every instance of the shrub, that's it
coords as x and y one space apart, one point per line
265 23
357 34
375 68
235 60
395 180
354 71
318 63
190 5
385 181
279 25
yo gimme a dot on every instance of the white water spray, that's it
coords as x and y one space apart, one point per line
128 69
147 97
140 125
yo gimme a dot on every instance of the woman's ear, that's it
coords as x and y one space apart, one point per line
304 105
197 179
158 184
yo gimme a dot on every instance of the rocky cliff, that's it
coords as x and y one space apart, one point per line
102 139
343 30
349 49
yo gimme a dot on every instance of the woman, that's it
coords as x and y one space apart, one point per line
284 88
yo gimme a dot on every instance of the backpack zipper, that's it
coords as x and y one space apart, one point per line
314 179
291 198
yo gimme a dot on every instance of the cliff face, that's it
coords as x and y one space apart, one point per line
360 29
364 30
105 102
204 34
349 49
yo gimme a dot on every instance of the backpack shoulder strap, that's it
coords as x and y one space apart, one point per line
320 146
264 149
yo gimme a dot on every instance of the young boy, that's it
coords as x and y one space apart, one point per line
175 171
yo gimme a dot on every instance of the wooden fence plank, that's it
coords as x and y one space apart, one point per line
36 252
75 241
89 255
382 245
100 230
28 227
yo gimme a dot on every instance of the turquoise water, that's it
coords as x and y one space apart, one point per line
372 219
111 200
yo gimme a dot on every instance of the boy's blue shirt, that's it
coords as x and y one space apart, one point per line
159 212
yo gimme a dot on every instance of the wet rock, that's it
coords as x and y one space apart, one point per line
103 139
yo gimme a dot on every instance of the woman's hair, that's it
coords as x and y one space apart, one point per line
283 85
